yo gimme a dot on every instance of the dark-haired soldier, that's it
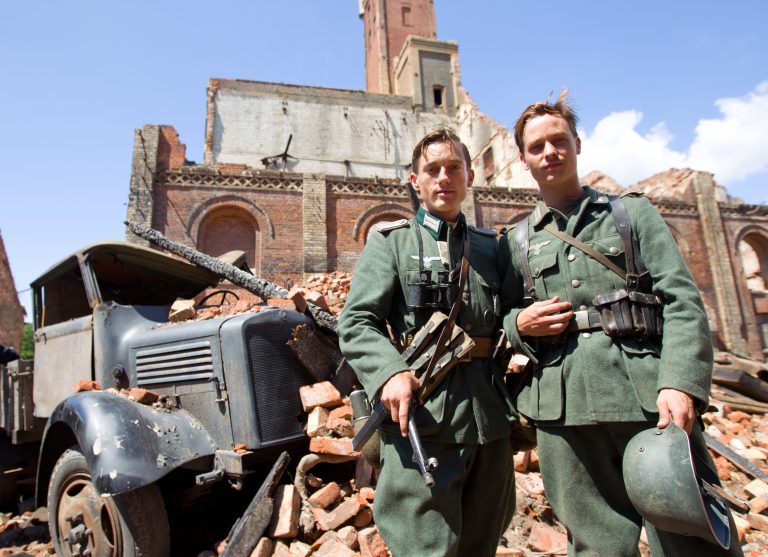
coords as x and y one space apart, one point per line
616 332
464 423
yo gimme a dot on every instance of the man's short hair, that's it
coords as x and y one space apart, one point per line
439 135
561 107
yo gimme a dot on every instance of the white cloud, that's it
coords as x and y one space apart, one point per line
732 146
617 149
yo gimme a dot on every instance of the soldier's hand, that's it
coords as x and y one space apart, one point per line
396 396
677 404
545 318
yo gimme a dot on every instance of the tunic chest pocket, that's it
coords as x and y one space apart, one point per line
544 270
482 295
603 278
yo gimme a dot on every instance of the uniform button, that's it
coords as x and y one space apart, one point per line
575 283
571 257
586 335
583 308
614 250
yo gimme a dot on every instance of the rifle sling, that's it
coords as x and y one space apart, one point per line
594 254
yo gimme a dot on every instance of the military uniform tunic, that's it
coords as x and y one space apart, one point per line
590 394
469 410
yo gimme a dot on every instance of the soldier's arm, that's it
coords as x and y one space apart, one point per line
362 328
686 346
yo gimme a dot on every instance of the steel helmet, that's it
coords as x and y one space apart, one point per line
673 488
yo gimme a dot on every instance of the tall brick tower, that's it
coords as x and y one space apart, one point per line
387 25
403 56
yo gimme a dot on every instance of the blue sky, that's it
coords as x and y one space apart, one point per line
657 84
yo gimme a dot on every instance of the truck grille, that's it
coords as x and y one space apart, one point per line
276 376
181 362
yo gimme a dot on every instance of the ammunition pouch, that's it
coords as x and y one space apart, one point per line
635 314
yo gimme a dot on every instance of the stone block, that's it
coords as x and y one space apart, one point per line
756 488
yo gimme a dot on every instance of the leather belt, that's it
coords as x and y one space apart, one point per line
483 347
585 320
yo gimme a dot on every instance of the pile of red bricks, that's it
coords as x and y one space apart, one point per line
26 534
315 517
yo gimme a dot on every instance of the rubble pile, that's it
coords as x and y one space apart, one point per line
26 534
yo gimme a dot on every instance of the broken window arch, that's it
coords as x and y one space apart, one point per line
231 228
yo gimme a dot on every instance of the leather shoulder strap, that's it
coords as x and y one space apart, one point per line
594 254
635 264
522 243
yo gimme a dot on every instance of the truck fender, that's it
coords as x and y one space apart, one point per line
127 445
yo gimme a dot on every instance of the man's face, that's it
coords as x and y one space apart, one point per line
442 179
550 150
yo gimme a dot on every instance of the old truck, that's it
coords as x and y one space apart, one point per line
104 464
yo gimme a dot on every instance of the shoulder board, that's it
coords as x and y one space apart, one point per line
484 231
387 226
632 194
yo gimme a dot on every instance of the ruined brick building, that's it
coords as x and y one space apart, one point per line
296 175
11 310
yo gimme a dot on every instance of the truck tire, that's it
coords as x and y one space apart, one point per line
133 524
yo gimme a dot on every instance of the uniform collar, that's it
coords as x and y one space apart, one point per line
435 225
592 196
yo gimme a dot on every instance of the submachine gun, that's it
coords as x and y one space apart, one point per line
451 346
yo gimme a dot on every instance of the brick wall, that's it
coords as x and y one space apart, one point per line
294 224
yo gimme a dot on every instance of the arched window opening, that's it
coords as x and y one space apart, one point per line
231 228
754 260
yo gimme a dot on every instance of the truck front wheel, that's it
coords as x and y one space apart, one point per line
133 524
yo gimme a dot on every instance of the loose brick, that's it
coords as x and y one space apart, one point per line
334 548
759 504
344 411
317 422
344 512
364 517
341 426
86 385
325 496
142 396
317 299
348 536
756 488
327 445
299 549
285 516
546 539
297 296
181 310
319 394
264 548
371 544
758 521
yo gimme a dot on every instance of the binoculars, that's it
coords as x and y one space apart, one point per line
428 294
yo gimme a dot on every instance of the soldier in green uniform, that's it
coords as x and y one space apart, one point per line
587 392
465 422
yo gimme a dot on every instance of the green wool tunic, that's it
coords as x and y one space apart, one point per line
464 424
471 405
593 378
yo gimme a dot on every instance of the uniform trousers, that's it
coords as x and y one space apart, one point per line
463 514
581 468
